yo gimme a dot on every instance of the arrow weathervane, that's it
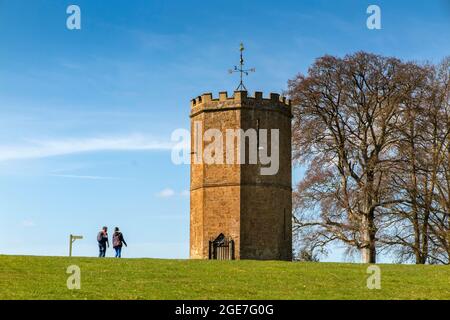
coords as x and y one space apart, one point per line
241 70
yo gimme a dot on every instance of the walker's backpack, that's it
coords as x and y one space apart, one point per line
117 239
100 237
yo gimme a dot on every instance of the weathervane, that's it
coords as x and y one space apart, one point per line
241 70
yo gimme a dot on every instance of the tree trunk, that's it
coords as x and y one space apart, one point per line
368 250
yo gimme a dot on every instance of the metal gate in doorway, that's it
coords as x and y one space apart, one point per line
222 248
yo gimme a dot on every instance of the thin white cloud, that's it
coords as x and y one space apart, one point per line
50 148
28 223
166 193
169 193
74 176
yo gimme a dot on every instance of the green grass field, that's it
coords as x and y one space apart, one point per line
24 277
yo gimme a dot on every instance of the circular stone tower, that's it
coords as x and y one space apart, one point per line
241 176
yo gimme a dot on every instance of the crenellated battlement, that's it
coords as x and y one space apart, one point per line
240 98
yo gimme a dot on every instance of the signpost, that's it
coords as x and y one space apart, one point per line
71 241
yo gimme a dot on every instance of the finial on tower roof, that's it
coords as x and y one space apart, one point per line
241 70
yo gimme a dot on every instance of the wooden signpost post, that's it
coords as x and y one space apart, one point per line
71 241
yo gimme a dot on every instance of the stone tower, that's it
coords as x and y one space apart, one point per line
235 199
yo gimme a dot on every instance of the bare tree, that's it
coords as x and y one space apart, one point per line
414 177
374 135
420 178
345 118
440 215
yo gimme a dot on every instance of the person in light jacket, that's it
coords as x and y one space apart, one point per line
103 242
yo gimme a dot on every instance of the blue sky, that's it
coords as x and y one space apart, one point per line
86 115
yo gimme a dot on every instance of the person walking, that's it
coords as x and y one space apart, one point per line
118 241
103 242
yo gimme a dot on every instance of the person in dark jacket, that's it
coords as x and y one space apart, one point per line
103 242
118 241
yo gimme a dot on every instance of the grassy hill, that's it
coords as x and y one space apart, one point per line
25 277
